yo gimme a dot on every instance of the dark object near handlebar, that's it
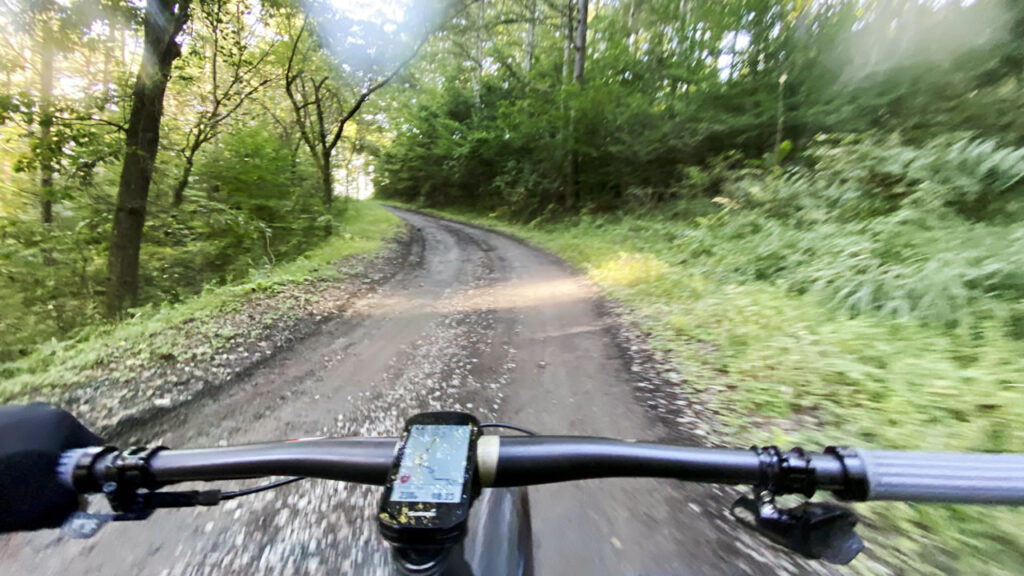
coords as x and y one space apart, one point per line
944 477
817 530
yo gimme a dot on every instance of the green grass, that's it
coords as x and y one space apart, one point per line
114 350
790 366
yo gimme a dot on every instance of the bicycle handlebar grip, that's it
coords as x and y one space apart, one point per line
944 477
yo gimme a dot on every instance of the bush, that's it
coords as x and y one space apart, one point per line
881 227
250 204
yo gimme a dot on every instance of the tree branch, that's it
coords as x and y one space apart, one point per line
289 87
373 88
91 122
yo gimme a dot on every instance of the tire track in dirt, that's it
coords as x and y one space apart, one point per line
475 321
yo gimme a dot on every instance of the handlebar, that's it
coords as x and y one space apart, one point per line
359 460
548 459
504 461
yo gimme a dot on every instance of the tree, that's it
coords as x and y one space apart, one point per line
41 21
321 113
163 22
229 42
40 42
570 8
45 31
581 43
531 34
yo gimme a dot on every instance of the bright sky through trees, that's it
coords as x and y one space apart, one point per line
372 10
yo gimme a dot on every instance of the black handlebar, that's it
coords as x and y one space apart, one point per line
548 459
359 460
131 479
523 461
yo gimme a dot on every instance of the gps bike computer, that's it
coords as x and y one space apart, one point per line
432 483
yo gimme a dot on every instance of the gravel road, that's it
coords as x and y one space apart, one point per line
473 321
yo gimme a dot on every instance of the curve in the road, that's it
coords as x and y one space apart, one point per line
476 321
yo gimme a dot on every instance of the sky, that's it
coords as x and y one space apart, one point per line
373 10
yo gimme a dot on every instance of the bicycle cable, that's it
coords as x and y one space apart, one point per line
258 489
526 431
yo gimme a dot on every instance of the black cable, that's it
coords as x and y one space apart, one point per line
526 431
257 489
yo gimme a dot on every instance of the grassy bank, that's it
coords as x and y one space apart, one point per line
158 332
787 367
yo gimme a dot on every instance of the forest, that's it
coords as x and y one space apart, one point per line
814 208
240 119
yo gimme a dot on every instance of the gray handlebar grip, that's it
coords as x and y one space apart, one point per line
944 477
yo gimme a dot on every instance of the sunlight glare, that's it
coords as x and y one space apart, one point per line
373 10
509 295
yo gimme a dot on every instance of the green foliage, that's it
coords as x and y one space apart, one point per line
252 204
156 330
229 140
855 299
48 279
513 153
884 227
660 117
860 289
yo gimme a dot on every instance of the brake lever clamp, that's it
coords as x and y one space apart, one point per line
817 530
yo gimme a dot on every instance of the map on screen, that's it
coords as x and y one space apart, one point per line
433 466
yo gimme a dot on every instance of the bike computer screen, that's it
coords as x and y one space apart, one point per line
433 467
431 484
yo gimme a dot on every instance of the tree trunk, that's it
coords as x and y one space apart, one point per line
327 182
142 140
780 112
567 56
581 43
530 34
478 77
570 156
327 179
46 52
179 187
572 168
570 165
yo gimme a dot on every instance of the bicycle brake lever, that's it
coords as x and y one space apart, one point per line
816 530
83 525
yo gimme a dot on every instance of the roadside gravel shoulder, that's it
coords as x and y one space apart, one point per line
185 362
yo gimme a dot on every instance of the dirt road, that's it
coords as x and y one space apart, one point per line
474 321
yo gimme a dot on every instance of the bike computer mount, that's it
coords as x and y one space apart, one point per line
431 485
